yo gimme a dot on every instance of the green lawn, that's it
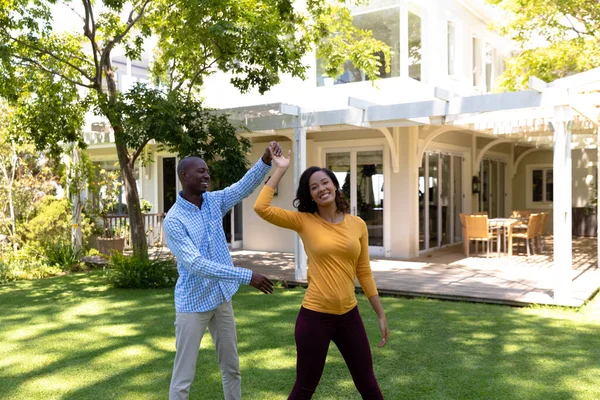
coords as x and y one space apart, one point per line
72 337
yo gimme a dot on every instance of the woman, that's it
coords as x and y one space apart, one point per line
337 246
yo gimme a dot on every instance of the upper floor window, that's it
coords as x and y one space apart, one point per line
451 38
385 25
477 61
414 46
490 70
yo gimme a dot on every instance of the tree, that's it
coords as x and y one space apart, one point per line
25 178
556 38
43 70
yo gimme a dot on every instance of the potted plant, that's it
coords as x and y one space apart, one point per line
113 235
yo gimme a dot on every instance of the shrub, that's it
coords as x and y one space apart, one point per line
52 224
62 255
22 266
140 273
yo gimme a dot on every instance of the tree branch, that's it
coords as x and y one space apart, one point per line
197 75
90 33
130 23
50 71
138 152
47 52
72 9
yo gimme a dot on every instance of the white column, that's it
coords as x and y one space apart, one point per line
76 234
155 181
299 167
402 203
404 38
561 126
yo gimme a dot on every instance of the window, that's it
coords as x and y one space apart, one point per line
414 46
490 73
385 25
541 183
451 48
477 68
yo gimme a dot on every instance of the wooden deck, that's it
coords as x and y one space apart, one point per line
447 274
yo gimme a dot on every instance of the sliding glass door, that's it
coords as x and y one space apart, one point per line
440 200
360 173
492 196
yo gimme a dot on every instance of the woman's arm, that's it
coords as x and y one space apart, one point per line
365 278
383 326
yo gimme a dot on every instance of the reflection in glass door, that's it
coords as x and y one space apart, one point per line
492 196
433 190
440 200
232 226
360 173
369 196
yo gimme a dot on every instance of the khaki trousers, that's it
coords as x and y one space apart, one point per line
189 330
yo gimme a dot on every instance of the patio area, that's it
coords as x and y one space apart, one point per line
448 274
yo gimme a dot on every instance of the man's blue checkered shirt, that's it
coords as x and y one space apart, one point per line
195 236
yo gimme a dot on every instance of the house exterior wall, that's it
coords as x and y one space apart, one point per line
258 234
584 167
435 15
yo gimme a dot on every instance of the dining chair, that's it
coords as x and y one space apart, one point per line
530 233
478 230
480 213
464 233
520 214
542 230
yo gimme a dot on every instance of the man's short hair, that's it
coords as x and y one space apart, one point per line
185 163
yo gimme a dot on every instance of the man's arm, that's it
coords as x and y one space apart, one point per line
190 258
237 192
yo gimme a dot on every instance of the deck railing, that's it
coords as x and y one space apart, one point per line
118 225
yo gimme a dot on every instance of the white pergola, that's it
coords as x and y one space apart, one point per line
552 113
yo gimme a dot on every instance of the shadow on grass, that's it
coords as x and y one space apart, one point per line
72 337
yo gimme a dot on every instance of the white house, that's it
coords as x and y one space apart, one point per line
411 149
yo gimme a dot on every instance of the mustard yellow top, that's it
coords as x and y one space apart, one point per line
337 254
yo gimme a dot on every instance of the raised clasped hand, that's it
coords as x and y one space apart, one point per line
280 160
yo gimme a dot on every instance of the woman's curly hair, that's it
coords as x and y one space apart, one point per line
304 202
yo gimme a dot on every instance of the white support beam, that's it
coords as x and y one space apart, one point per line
423 146
299 167
537 84
588 111
582 78
393 149
359 103
562 192
521 157
495 102
442 94
287 109
430 108
477 160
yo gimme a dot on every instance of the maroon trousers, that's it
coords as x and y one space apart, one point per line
314 331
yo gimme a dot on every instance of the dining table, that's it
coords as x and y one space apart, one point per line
505 228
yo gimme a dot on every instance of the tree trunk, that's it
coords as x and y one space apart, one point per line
136 219
77 207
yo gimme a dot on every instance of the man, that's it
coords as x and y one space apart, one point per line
207 278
